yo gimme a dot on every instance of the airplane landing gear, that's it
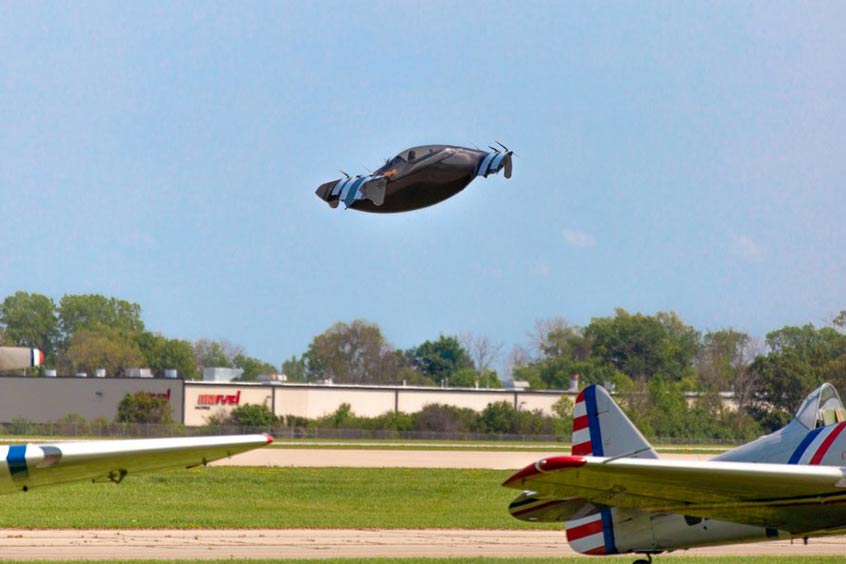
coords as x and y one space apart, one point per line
648 559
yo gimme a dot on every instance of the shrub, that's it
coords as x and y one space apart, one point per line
250 415
144 407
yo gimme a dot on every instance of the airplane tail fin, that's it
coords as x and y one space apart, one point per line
600 428
495 161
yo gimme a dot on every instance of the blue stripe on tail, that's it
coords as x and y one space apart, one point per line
608 532
593 421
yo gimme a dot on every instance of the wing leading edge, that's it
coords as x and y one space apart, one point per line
787 497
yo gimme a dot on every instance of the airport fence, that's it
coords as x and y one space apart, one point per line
95 429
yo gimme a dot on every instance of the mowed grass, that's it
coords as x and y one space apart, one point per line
259 497
579 560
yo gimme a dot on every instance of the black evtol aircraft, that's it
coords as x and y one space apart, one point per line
416 178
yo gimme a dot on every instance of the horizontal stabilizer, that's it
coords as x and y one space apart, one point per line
528 507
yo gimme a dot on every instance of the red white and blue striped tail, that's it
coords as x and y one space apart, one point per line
593 535
600 428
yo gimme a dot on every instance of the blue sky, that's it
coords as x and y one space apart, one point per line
684 156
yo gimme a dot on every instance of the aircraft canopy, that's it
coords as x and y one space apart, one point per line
822 407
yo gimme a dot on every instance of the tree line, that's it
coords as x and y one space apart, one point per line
649 360
86 332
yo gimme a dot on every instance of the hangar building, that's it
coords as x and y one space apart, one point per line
42 400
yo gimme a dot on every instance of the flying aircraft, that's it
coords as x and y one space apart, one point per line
616 496
29 466
416 178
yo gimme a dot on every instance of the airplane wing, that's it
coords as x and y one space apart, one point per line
792 498
28 466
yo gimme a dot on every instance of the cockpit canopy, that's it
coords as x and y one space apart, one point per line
822 407
411 155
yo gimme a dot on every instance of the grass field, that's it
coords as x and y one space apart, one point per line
253 497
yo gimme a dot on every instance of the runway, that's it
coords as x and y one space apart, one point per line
396 458
65 544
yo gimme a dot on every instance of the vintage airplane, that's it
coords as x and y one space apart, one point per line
616 496
29 466
416 178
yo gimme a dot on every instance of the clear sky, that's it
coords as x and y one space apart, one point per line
685 156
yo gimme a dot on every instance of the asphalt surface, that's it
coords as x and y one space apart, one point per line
66 544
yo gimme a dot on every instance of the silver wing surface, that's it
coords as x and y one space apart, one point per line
794 498
29 466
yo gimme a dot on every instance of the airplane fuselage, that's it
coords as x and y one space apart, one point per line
415 178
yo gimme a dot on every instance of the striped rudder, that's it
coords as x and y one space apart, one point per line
600 428
593 535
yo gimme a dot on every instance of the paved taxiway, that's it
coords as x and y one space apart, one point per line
396 458
332 543
65 544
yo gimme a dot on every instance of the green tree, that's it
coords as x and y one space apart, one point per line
252 367
143 407
564 341
469 378
563 408
29 320
161 353
215 354
354 353
496 418
341 416
563 351
105 347
294 369
642 346
799 360
724 363
439 359
440 418
93 311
